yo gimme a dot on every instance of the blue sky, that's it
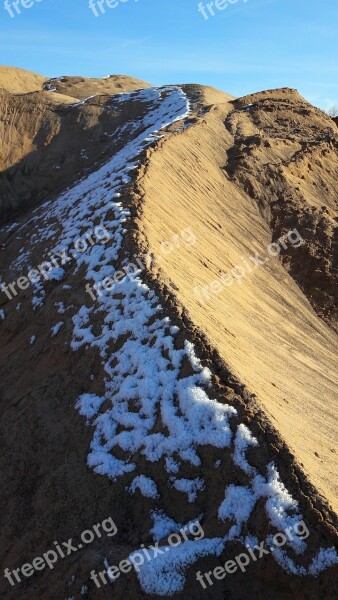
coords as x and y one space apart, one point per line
249 46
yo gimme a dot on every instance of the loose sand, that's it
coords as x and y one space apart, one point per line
264 328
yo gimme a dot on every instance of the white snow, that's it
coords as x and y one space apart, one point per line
164 575
326 557
163 526
60 307
89 405
237 504
281 508
287 563
191 487
8 228
55 330
279 503
57 274
146 486
81 102
243 441
251 541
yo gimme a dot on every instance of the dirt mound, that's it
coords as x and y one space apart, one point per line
83 87
259 321
128 401
18 81
204 95
47 143
285 158
52 131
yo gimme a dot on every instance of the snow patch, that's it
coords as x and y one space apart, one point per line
55 330
164 574
146 486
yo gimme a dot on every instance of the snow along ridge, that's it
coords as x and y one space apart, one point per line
145 372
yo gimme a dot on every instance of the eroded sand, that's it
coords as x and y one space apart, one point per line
264 327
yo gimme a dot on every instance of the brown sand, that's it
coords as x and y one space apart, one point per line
48 492
83 87
264 328
18 81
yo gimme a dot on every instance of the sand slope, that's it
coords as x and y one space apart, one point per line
49 136
96 394
264 327
19 81
284 156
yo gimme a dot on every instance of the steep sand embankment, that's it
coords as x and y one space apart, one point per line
284 156
49 137
263 327
205 95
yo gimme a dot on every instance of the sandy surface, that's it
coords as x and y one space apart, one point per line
83 87
18 81
264 328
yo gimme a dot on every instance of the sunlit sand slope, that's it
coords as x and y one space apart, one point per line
262 325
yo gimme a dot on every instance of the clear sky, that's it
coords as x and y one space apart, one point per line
248 46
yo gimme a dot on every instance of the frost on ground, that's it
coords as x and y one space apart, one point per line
143 383
146 486
55 330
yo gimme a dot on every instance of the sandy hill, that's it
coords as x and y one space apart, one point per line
83 87
19 81
243 182
50 133
168 342
205 95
